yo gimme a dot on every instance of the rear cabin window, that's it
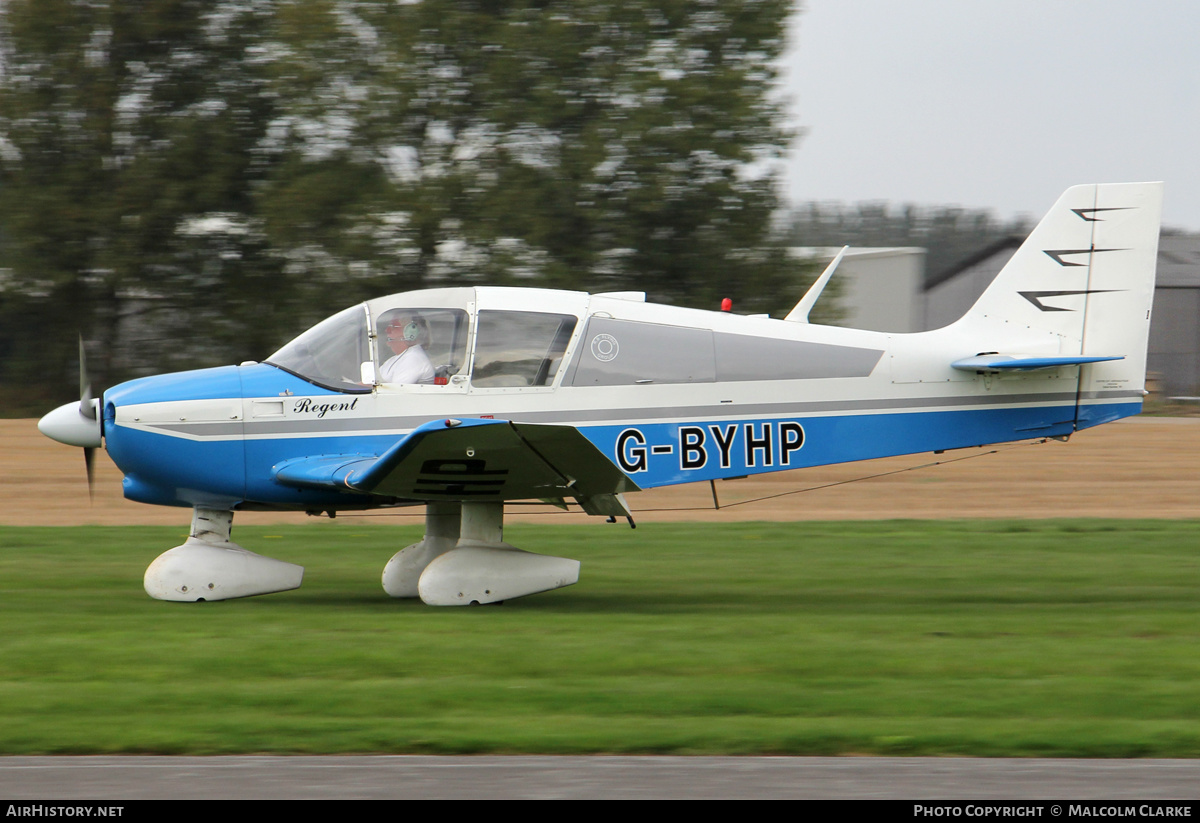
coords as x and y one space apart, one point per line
520 348
623 352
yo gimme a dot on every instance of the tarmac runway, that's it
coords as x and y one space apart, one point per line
607 777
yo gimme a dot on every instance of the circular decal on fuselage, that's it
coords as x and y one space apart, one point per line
604 347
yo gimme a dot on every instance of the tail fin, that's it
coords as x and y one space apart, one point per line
1082 285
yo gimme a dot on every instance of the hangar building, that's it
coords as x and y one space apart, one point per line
888 289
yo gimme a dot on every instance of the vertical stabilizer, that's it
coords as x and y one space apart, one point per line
1082 284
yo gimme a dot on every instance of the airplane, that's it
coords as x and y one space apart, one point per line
536 394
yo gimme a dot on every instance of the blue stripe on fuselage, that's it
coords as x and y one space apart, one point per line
662 454
194 472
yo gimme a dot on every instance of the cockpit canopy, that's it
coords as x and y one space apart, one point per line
330 354
357 349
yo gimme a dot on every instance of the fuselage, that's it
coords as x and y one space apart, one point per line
669 395
464 399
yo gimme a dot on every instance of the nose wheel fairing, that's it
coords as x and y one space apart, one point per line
209 566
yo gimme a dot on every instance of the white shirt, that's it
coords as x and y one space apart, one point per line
409 366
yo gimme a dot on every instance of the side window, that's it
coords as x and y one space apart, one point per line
520 348
408 335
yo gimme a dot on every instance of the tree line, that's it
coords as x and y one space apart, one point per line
191 182
188 183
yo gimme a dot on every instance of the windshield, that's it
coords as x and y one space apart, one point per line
331 353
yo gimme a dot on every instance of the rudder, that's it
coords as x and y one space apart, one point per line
1126 220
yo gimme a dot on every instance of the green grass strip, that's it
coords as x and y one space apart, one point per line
1000 638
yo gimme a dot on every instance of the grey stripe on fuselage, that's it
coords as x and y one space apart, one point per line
327 426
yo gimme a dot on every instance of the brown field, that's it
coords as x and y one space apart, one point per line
1143 467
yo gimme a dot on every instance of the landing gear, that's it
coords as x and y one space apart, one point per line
208 566
463 561
403 572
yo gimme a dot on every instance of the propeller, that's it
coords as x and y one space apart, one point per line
78 424
85 385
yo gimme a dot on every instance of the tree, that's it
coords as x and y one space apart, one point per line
172 166
123 127
575 144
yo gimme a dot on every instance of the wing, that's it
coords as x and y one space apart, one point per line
475 460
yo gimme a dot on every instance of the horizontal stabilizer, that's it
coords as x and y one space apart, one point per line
470 460
1016 362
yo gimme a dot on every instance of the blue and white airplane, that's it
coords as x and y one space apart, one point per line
561 395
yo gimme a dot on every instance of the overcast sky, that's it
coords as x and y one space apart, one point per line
1000 104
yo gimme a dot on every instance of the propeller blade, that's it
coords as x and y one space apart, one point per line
88 459
85 386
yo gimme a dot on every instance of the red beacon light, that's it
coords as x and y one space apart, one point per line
726 304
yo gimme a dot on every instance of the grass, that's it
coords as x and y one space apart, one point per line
1001 638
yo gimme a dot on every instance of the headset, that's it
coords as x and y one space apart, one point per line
410 332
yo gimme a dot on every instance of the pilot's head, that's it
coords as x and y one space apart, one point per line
404 331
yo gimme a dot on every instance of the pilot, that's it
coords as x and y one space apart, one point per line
407 337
